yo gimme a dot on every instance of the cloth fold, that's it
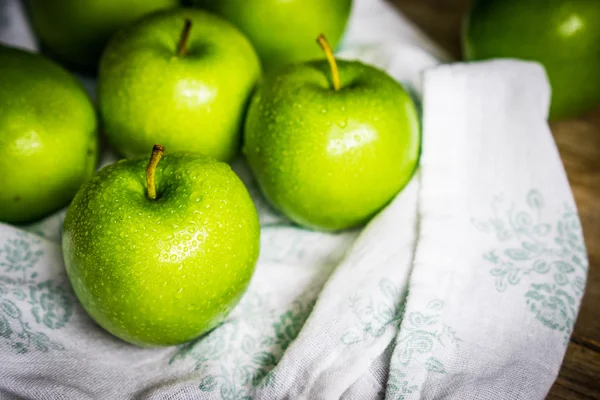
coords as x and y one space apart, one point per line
466 285
500 263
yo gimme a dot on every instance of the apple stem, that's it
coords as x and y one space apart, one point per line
335 73
183 39
157 153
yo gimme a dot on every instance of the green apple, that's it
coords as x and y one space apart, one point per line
159 253
282 31
562 35
330 145
48 140
76 31
185 85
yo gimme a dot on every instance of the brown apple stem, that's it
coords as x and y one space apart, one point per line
183 39
335 73
157 153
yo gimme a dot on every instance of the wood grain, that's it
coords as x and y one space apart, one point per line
578 377
578 141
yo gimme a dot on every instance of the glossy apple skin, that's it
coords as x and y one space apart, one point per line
48 136
330 160
284 31
166 271
76 31
196 102
564 36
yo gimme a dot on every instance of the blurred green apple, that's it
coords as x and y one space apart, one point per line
48 138
76 31
563 35
182 78
283 31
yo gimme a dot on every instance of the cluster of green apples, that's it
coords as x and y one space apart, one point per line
158 252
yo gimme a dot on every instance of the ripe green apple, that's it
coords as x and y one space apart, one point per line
282 31
76 31
330 156
185 85
48 140
562 35
160 254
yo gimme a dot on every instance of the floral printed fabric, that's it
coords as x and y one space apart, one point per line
500 263
466 286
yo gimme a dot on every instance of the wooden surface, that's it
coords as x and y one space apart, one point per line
578 140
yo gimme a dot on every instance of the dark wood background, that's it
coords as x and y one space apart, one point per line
578 140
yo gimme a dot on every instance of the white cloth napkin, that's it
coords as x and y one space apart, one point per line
500 262
465 287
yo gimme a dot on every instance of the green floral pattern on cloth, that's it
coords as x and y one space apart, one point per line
19 256
50 303
542 249
375 313
233 362
422 332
